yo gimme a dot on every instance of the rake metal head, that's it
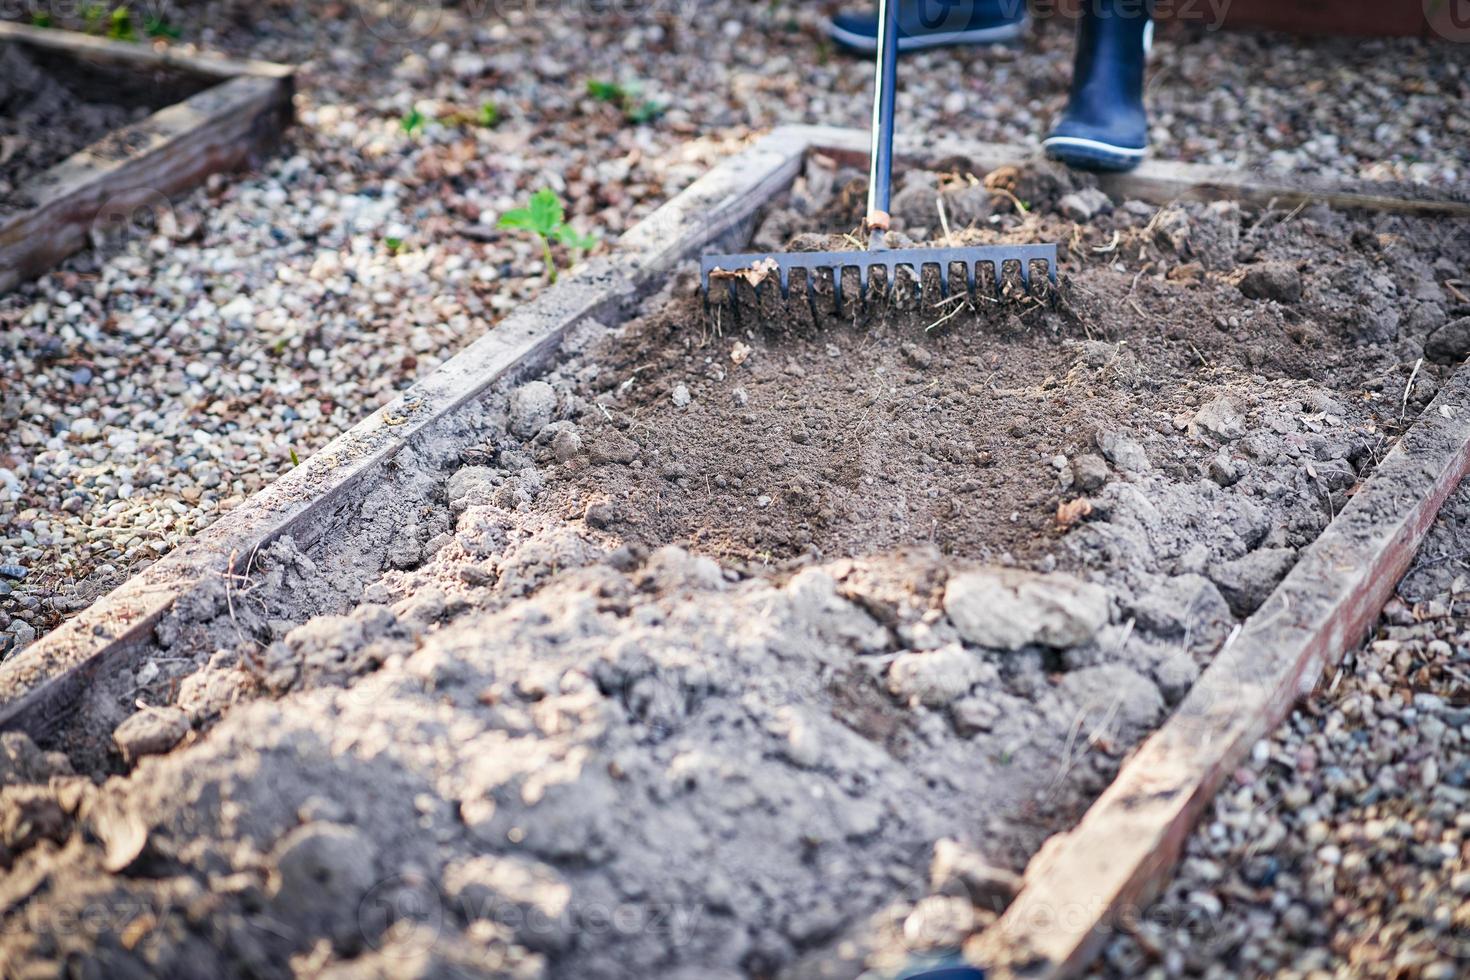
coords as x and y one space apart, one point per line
916 259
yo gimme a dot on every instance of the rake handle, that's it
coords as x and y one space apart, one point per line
880 168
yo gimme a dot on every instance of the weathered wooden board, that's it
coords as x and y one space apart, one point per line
1157 181
38 686
238 118
1121 854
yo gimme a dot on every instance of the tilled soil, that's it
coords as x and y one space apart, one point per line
741 647
38 91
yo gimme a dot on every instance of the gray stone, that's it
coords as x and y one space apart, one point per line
1450 343
1086 204
1180 604
1220 419
1123 451
1114 700
151 731
611 446
1247 581
532 406
934 678
1279 281
471 485
1007 608
1089 472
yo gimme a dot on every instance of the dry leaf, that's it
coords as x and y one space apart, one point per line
1003 178
755 274
1069 512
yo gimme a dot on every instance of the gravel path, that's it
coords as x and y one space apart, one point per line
145 393
1339 849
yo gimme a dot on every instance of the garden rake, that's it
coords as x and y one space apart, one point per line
757 266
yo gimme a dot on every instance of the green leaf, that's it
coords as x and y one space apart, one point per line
412 121
489 114
568 236
546 211
120 25
295 460
643 111
39 19
394 245
158 27
605 91
519 218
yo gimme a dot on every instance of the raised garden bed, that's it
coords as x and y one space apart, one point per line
704 624
139 126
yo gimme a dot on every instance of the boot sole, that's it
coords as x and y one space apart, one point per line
1087 154
865 44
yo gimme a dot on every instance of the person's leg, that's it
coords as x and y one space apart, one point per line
1105 126
933 23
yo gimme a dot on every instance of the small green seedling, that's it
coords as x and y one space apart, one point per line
610 92
295 460
412 122
489 114
156 26
120 25
393 245
546 219
39 19
636 109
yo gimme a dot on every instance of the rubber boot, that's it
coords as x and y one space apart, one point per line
933 24
1105 126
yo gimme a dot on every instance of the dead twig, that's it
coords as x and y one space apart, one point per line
943 220
1404 408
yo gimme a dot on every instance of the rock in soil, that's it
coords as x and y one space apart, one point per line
152 731
1247 581
1450 343
1007 609
1273 280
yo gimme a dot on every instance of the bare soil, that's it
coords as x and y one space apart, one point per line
38 89
756 645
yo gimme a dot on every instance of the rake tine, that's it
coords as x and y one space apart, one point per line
837 286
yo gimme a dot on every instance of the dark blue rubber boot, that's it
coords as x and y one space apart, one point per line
933 24
1105 126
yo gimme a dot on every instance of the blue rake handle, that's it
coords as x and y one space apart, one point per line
880 167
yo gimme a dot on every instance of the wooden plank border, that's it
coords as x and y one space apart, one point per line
1100 874
39 685
238 118
1157 181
